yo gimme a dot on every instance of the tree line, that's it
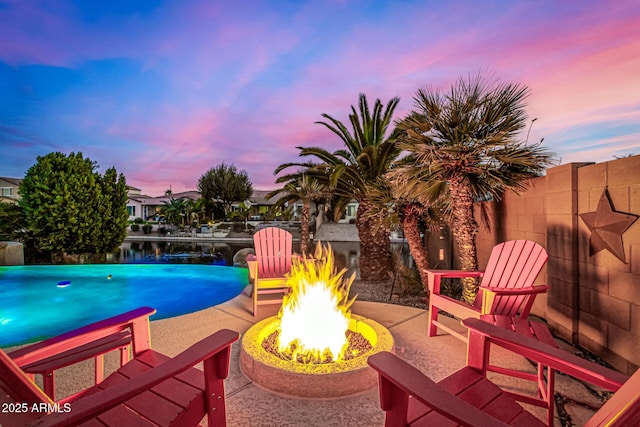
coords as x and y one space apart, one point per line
68 207
426 169
423 170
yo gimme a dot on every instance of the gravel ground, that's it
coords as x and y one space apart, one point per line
382 292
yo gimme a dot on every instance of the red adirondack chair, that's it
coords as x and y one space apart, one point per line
506 287
151 389
272 261
468 398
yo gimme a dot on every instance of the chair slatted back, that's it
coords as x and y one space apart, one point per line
273 248
623 408
512 264
17 385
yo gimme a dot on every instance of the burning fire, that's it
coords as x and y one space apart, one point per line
315 314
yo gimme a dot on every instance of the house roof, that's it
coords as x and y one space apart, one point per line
12 181
193 195
259 197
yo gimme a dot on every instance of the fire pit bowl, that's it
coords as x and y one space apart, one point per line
328 380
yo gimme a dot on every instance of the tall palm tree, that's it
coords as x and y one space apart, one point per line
304 188
412 213
466 141
353 170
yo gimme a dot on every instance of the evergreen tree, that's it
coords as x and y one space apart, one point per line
71 208
12 221
115 221
224 184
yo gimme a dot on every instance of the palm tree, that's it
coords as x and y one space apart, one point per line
196 211
354 170
412 214
465 141
307 189
174 211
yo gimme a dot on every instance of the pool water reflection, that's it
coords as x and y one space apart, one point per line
187 252
34 307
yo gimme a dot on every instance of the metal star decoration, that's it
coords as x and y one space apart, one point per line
607 227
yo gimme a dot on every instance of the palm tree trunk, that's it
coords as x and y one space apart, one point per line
465 229
411 230
304 228
375 246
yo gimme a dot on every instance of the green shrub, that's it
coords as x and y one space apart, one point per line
135 227
236 216
12 221
146 229
70 207
138 220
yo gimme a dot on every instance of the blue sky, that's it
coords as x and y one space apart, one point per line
164 90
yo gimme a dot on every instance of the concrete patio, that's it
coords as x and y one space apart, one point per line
250 405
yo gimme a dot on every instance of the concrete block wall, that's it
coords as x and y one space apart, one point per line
609 304
594 301
561 213
516 216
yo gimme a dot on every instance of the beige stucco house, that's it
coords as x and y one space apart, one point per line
9 189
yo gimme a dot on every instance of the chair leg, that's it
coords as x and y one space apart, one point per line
49 384
255 301
546 390
216 369
124 355
433 317
99 368
551 377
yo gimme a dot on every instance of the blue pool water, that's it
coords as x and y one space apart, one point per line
33 306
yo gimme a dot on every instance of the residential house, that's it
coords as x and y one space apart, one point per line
148 208
9 189
259 206
350 211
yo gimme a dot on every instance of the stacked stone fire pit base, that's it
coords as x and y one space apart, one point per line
322 381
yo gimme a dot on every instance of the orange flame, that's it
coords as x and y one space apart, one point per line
315 314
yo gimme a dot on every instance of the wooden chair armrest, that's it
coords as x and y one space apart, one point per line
252 265
454 274
398 380
94 404
527 290
50 347
537 351
434 277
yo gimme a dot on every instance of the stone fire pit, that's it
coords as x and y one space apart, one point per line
328 380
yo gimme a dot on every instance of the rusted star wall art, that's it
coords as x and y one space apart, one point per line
607 227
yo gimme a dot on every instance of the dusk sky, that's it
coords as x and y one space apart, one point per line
165 90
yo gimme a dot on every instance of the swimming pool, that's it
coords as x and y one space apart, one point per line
36 302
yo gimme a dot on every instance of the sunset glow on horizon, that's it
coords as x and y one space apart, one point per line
165 90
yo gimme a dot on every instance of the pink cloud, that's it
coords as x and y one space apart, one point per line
245 85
